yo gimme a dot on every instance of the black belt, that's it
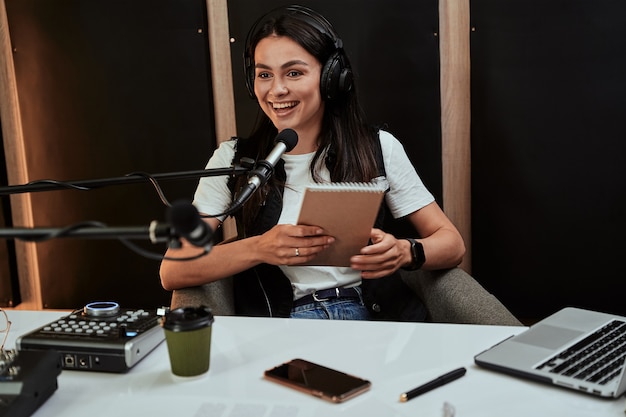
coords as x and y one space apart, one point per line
328 294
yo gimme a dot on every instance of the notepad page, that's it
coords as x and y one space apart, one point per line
347 211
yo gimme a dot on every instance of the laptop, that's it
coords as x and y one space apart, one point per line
574 348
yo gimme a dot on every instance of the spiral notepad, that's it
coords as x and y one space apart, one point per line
347 211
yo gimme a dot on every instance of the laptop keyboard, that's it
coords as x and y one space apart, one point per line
598 358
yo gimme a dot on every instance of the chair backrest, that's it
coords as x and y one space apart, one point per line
217 295
454 296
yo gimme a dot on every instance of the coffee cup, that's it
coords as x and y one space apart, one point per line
188 337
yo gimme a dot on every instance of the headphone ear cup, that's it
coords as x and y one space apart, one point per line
336 79
249 75
345 80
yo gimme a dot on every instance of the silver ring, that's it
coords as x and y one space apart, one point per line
297 252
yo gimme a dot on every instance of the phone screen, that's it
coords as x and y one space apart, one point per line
318 380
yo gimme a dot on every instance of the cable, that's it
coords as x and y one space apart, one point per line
154 183
158 257
141 174
135 248
63 232
61 184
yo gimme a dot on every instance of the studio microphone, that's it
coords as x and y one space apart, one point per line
186 222
285 141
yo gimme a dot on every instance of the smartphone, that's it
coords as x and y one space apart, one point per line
318 380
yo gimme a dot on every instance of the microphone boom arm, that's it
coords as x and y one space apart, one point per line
156 232
49 185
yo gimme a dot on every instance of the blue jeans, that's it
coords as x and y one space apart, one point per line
333 309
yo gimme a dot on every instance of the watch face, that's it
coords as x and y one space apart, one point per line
413 254
421 258
417 252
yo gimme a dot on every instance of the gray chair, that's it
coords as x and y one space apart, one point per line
450 296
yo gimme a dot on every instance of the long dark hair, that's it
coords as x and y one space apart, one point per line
346 138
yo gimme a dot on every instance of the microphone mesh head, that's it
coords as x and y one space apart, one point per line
289 137
183 216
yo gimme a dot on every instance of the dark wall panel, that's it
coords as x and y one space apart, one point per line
548 153
106 89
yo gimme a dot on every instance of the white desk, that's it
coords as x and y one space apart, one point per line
394 356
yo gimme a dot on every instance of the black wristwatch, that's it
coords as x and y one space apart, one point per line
417 252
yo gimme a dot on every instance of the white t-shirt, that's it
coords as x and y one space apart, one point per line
406 194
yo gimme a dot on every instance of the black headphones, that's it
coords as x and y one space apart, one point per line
336 78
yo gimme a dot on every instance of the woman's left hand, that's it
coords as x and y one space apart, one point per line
383 257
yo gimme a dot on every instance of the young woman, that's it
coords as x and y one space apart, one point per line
298 72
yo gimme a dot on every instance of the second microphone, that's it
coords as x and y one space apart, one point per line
285 141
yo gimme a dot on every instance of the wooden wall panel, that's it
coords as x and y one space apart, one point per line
455 118
97 90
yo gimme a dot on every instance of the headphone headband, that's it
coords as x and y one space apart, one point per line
336 78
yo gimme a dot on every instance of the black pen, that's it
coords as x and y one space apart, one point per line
437 382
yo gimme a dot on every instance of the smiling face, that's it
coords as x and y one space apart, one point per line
287 87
